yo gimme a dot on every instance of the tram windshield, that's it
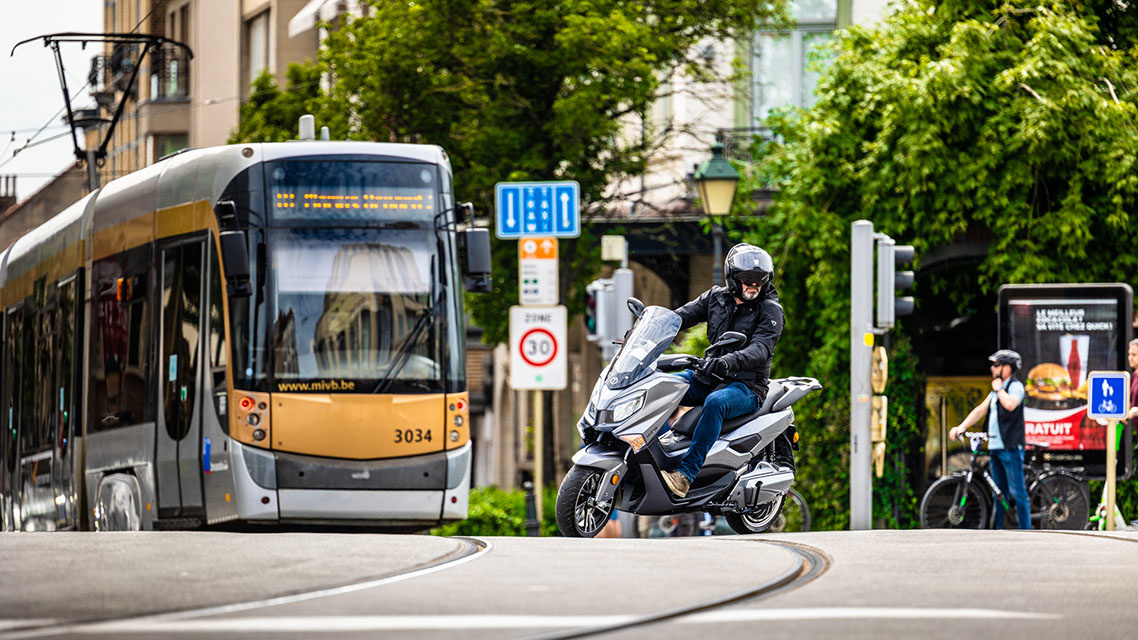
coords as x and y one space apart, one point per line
353 306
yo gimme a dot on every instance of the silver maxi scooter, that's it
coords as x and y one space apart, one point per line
623 453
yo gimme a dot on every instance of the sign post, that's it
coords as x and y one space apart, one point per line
537 213
1108 403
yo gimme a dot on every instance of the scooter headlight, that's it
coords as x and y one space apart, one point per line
624 410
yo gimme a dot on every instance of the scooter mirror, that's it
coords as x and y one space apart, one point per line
636 307
726 341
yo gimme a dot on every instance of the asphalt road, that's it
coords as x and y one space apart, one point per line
935 584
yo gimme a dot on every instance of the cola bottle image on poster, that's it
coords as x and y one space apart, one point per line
1061 341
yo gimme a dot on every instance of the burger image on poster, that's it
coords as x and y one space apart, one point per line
1049 386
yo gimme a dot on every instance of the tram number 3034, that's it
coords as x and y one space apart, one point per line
412 435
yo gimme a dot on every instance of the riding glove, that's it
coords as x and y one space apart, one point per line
716 367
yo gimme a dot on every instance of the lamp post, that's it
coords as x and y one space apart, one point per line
716 181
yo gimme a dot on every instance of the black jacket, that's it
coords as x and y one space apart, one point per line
1011 422
760 320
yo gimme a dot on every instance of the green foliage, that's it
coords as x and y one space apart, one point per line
494 512
1125 497
513 90
1010 119
271 114
694 342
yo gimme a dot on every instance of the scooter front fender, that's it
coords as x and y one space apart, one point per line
610 463
598 457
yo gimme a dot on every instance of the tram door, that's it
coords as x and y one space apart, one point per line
62 404
179 437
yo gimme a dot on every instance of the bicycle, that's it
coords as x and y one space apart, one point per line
1056 496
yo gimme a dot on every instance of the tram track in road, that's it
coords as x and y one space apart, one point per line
810 564
467 550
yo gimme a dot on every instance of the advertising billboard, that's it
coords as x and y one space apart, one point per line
1064 332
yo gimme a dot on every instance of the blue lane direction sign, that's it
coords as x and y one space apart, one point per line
1109 395
550 209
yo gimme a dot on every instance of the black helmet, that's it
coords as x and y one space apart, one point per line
748 262
1007 356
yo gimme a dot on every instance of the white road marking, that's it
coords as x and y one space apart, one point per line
18 623
176 621
340 624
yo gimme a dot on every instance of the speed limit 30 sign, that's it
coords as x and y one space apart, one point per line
537 347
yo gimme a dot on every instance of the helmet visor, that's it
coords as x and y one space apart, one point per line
751 278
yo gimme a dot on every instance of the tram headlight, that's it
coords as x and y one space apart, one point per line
624 410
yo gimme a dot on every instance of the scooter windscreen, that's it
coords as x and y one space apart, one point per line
650 336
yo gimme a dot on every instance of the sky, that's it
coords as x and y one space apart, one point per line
31 94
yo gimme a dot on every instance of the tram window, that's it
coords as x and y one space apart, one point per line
46 342
13 364
67 331
25 412
217 351
119 367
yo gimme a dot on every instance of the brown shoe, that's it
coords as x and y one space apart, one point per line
677 483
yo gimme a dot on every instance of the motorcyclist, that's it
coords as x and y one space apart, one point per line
735 383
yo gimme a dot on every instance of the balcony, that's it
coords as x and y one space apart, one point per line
170 74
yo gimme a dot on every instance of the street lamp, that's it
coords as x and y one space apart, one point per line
716 181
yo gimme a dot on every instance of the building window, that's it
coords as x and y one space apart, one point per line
166 144
257 36
780 61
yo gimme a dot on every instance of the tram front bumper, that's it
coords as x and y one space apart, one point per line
403 491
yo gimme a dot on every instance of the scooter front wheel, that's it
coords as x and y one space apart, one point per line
578 515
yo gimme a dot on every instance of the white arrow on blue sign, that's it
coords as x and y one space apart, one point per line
1109 395
550 209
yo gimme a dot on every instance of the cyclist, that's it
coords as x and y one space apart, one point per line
1004 408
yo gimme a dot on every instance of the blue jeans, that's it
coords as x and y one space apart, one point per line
1006 466
732 401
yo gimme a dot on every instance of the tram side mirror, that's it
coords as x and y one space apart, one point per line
464 212
235 257
226 212
475 247
636 307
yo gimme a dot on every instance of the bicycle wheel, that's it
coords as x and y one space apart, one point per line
795 515
1059 502
946 506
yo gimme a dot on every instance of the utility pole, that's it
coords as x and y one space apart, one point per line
861 355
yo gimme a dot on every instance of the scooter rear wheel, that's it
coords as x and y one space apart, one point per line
758 521
577 514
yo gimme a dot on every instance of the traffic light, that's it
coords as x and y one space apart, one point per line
591 309
598 295
889 281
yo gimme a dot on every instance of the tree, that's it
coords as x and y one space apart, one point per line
514 90
271 115
1018 118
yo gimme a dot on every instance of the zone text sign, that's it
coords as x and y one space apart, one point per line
537 347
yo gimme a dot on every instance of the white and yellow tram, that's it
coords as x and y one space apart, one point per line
259 332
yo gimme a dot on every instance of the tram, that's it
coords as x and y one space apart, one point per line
269 333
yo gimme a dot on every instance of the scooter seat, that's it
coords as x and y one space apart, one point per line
686 424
